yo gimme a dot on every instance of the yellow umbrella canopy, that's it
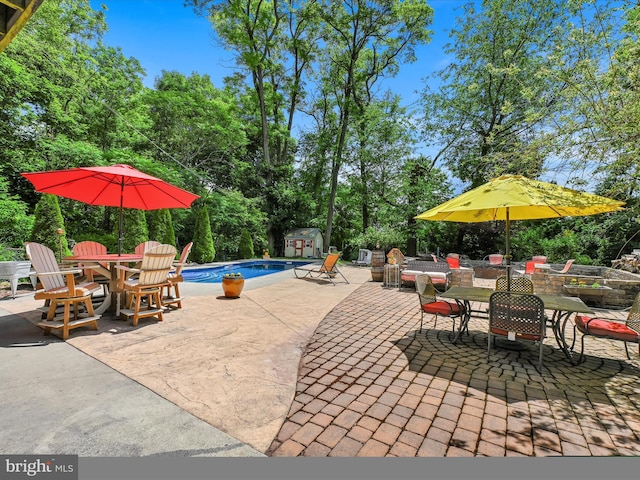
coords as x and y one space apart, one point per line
514 197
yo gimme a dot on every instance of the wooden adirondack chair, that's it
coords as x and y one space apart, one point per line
151 278
90 247
59 289
144 246
174 280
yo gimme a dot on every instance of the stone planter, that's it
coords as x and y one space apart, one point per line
232 286
598 292
13 271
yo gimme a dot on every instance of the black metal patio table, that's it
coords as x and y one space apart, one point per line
561 306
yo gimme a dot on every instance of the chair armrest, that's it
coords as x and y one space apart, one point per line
60 272
122 277
128 269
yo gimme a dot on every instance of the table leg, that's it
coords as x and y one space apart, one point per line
464 319
560 320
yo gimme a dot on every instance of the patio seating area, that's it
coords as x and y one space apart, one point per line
368 384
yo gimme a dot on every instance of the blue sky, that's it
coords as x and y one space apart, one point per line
165 35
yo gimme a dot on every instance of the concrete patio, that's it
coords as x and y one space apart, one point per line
302 368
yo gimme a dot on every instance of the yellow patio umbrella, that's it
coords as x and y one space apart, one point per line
515 197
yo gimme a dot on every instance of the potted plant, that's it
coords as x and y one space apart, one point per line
232 284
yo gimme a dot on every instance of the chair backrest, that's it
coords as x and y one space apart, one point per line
518 284
425 289
364 255
156 264
183 257
530 266
44 260
330 262
144 246
633 319
453 262
539 259
520 313
427 266
89 247
567 266
496 259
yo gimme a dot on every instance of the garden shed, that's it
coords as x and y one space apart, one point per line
303 242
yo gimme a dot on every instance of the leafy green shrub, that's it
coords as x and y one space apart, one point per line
384 238
245 248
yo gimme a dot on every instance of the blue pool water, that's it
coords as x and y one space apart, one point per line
250 269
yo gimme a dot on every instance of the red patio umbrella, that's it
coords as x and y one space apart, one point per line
114 186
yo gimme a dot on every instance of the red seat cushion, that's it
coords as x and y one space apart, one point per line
442 308
411 277
523 336
599 327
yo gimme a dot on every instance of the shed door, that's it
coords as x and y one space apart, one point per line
297 248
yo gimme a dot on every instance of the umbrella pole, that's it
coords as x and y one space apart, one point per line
508 249
120 227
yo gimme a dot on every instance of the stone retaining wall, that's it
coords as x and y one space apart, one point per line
623 290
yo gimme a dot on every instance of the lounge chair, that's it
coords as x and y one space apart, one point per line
495 259
566 267
328 269
59 289
539 259
454 262
529 268
365 257
152 277
175 278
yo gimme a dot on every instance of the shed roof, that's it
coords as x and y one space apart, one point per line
303 233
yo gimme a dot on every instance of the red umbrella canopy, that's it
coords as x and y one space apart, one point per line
113 186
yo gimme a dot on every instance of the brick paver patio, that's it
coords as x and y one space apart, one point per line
367 387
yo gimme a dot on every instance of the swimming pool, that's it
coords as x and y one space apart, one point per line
250 269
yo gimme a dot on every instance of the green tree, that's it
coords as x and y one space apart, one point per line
161 226
496 98
364 40
203 250
199 124
274 41
245 246
135 230
15 223
48 222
